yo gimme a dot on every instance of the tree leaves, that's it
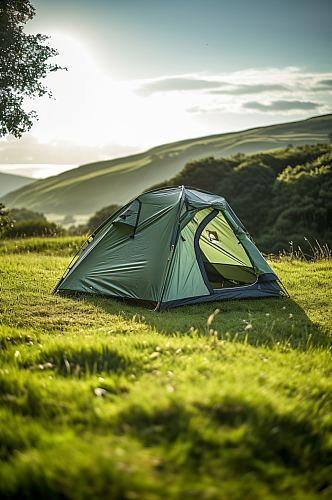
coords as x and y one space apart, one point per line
23 63
6 221
280 196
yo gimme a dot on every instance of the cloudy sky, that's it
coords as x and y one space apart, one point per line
147 72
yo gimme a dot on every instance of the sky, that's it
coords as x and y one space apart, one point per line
141 73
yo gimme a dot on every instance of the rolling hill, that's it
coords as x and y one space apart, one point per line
88 188
10 182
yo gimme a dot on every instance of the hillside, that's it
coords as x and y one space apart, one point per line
90 187
10 182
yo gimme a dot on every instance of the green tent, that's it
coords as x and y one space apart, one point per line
171 247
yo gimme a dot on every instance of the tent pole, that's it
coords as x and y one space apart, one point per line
174 241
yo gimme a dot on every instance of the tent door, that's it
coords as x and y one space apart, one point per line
222 260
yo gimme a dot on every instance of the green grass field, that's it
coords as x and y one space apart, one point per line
101 399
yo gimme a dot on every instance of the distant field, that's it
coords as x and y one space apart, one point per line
88 188
104 399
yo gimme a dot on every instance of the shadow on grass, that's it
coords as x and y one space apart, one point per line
200 430
256 321
79 361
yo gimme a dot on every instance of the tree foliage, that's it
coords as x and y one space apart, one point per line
24 214
99 217
23 63
94 221
6 221
21 222
280 196
29 228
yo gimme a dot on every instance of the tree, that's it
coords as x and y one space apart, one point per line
24 214
98 218
23 64
6 221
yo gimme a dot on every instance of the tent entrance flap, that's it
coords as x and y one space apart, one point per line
223 261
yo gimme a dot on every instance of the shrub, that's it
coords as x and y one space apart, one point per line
34 228
24 214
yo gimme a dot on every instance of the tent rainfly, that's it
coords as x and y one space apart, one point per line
171 247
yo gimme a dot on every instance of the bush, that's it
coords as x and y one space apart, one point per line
24 214
5 220
34 228
94 222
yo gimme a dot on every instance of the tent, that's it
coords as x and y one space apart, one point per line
170 247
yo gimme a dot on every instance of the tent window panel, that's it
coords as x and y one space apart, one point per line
130 215
225 261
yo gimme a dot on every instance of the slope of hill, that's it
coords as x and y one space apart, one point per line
10 182
90 187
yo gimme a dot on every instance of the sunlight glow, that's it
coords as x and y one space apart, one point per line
94 116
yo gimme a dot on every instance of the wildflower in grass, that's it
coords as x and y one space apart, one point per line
178 350
290 315
154 355
267 314
100 392
211 317
248 327
17 354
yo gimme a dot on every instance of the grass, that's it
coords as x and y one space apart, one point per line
106 399
64 246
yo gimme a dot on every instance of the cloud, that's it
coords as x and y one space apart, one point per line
327 84
176 84
252 89
95 118
210 110
281 106
29 150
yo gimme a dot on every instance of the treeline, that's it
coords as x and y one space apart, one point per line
281 196
22 222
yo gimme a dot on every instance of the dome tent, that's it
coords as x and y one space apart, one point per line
170 247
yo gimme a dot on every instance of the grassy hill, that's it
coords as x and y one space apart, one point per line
107 400
90 187
10 182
